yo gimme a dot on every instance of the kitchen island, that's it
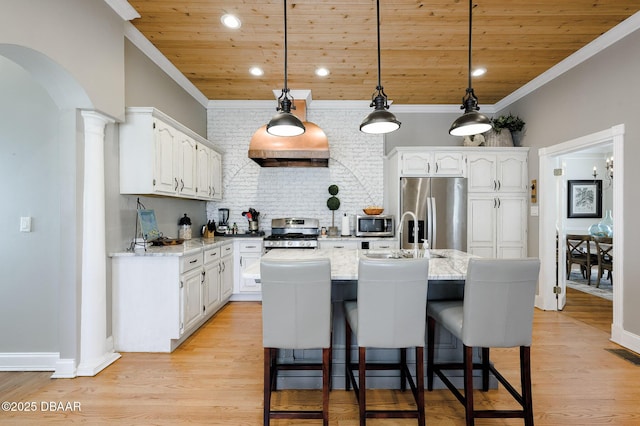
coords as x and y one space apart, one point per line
447 272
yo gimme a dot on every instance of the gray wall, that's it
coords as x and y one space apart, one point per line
592 97
29 262
419 129
147 85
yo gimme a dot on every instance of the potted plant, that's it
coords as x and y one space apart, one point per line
511 122
333 203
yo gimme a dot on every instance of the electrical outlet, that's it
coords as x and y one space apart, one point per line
25 224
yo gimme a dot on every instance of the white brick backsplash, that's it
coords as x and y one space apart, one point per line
355 165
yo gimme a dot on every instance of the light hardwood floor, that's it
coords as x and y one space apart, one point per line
215 378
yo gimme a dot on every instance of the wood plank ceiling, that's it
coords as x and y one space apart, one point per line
424 44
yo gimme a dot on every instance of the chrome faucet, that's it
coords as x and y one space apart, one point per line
415 229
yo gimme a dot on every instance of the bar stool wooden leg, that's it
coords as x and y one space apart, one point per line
485 369
362 385
525 377
267 385
347 357
468 384
326 380
403 369
431 328
420 384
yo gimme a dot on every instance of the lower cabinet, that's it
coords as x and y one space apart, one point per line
338 244
497 226
247 253
158 301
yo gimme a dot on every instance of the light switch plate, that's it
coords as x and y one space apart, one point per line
25 224
534 210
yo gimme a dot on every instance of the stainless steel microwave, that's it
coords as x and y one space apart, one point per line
375 226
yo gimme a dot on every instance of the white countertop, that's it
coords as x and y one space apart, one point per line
344 262
188 247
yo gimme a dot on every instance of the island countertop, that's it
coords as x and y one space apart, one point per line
443 264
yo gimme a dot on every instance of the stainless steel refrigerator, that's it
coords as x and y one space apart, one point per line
440 205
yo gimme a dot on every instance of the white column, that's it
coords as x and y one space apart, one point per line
96 351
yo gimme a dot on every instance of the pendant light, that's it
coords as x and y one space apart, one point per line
284 123
471 122
380 120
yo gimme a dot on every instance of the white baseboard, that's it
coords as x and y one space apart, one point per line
624 338
65 369
29 361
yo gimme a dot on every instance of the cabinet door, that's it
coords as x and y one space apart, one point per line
416 164
511 240
164 176
391 244
186 158
192 302
211 289
247 259
227 275
512 173
203 177
482 173
215 170
481 226
449 164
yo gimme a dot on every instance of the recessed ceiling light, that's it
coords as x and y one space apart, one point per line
478 72
231 21
322 72
257 71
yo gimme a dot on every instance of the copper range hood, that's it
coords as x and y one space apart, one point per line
310 149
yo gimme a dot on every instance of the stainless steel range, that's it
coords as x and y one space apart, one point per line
293 232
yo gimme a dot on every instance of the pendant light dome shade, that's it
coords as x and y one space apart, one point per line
472 122
380 120
284 123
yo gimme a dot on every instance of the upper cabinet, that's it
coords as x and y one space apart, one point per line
431 162
498 170
160 156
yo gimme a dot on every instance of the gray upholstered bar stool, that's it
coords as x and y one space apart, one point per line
296 314
497 311
389 313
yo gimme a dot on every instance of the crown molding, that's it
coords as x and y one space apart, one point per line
124 9
152 52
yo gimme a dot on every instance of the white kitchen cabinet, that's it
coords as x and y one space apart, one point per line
497 171
209 177
497 225
338 244
226 272
384 244
215 168
431 162
247 252
158 301
212 280
160 156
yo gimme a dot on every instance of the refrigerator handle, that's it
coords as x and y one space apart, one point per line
431 226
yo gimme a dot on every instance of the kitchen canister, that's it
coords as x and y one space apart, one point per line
184 230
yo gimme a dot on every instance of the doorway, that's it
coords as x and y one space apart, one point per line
553 204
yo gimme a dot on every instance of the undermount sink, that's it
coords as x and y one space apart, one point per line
399 254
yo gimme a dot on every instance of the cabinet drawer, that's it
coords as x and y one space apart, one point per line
191 262
211 255
254 247
227 250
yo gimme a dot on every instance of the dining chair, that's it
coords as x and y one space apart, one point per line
604 249
579 253
296 314
389 313
497 311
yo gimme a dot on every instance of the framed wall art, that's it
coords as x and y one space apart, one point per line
584 199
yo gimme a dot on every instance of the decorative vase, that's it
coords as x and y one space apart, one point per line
502 138
517 137
604 228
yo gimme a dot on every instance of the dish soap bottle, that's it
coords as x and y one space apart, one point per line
184 231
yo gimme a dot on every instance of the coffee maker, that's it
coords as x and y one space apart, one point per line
223 221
